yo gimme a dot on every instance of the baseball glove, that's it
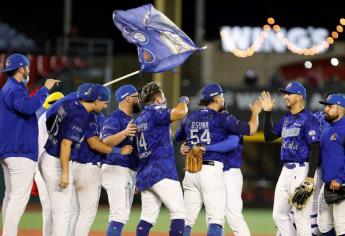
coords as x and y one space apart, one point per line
193 160
334 196
302 194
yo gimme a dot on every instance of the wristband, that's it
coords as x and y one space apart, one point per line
183 99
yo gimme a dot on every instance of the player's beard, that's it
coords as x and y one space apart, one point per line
330 118
136 108
223 108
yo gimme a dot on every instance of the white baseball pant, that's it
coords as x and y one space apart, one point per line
206 186
234 203
18 174
331 215
119 182
61 199
166 191
47 216
289 180
87 189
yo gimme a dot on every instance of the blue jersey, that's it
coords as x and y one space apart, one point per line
18 122
70 122
114 124
333 151
206 126
233 159
154 146
298 132
85 154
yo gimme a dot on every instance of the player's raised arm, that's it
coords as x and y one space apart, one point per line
267 105
254 119
180 110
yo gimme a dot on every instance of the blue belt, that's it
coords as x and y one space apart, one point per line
293 165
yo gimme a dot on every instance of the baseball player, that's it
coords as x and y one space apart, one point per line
157 177
300 132
86 167
233 146
18 139
41 186
119 170
209 126
333 165
66 132
319 115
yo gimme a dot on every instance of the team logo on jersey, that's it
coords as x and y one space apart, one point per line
290 132
333 137
312 132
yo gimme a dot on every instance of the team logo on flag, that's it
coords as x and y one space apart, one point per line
147 55
140 37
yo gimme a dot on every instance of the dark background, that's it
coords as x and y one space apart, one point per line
43 20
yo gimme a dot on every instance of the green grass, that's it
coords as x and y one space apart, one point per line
259 221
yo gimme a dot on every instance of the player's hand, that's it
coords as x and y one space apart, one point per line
49 84
334 185
184 149
64 181
256 107
266 101
131 129
126 150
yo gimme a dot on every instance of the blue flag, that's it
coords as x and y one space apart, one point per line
161 44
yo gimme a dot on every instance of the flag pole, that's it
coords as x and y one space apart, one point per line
122 78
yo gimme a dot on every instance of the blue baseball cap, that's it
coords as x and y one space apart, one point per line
334 99
84 91
91 92
211 90
124 91
101 92
294 88
15 61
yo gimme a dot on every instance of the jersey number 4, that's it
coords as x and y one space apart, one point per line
205 137
141 143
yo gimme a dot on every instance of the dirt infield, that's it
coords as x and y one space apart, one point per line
38 233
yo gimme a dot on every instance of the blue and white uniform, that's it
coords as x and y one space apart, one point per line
207 186
157 175
86 173
18 147
298 131
70 122
333 168
119 171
